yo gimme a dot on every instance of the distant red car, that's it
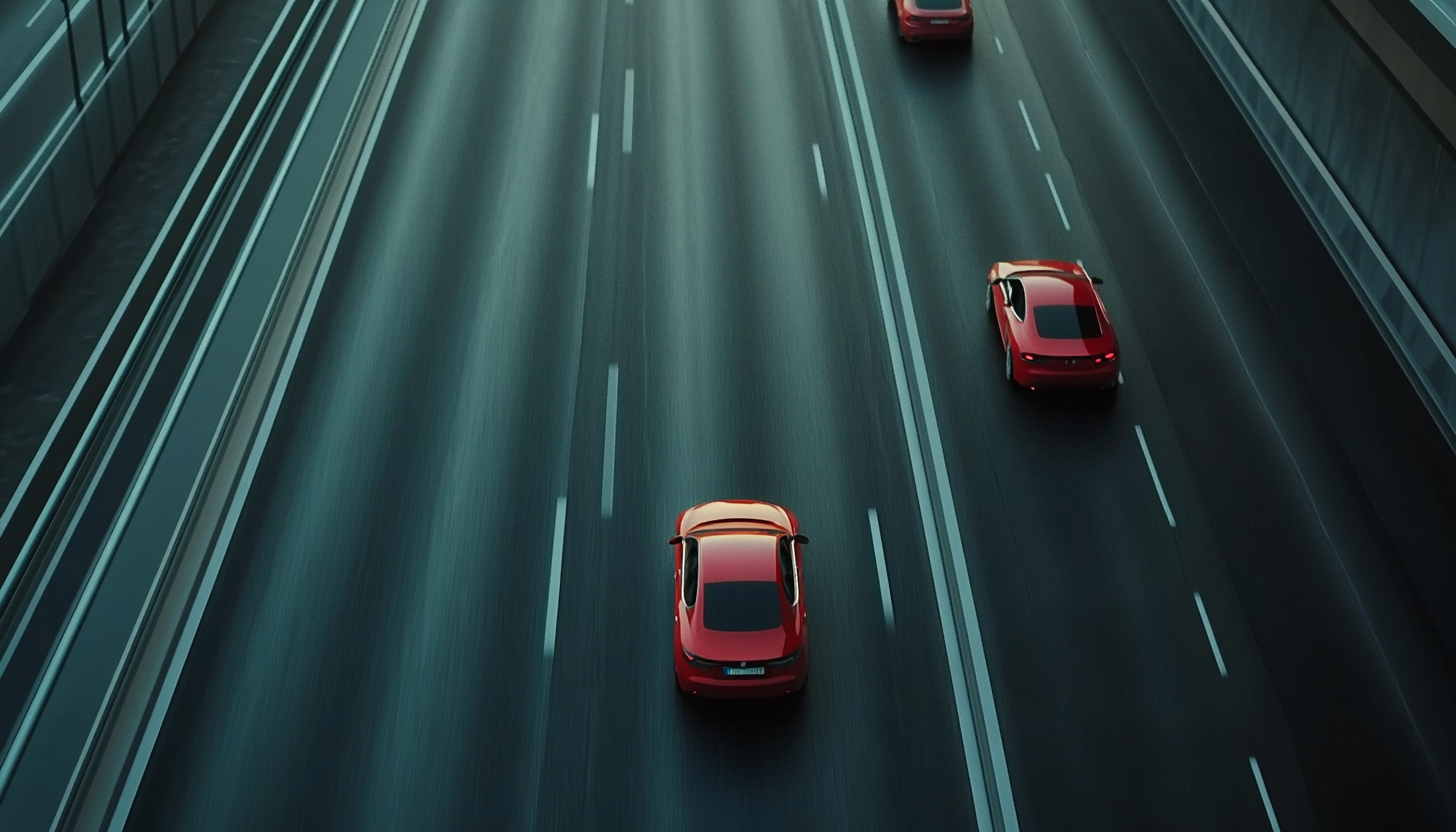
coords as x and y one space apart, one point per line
1053 326
741 627
933 19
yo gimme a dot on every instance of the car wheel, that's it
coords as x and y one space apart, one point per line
989 310
1011 377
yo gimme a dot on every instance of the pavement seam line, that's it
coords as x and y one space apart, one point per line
609 444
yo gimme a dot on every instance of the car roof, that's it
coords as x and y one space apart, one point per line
738 556
1045 288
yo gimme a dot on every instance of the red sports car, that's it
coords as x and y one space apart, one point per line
741 626
1053 325
933 19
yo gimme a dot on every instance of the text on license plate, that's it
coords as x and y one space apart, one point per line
743 671
939 22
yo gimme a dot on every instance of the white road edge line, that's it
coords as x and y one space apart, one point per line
989 723
627 97
885 602
265 429
152 311
553 593
1264 793
33 18
1060 211
82 608
998 46
1034 143
819 169
1208 631
609 445
1157 483
591 158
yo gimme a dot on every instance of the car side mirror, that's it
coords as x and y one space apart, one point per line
801 540
1096 281
673 541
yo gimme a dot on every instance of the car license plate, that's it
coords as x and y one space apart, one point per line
939 22
743 671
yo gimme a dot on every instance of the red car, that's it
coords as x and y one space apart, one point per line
1053 325
741 628
933 19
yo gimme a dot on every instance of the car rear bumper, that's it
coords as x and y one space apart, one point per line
697 681
955 30
1092 375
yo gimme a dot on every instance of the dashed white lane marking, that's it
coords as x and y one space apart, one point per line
819 169
591 159
1264 793
627 112
998 47
609 445
998 786
1060 212
1026 118
885 602
1081 265
1208 631
553 593
33 18
1157 483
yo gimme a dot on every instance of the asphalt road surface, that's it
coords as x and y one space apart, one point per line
770 222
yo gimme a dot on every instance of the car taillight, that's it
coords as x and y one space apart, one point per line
1026 356
1110 356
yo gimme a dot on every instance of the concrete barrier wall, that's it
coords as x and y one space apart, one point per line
54 154
1373 175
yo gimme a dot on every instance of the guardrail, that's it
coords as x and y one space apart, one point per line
1375 179
65 119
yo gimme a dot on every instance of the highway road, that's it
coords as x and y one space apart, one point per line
612 260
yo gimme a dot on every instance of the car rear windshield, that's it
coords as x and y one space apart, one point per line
1079 322
938 5
741 606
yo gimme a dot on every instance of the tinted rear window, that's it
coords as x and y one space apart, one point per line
1078 322
938 5
741 606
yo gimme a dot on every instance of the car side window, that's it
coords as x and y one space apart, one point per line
786 569
1016 293
690 571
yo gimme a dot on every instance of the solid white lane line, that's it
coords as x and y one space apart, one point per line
1264 793
591 159
1026 118
949 638
553 594
819 169
627 112
885 603
998 47
148 738
609 445
1157 483
1208 631
1055 196
989 724
33 18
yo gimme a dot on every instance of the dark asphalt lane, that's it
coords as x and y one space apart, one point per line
374 655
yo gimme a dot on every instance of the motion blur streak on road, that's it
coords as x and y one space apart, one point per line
372 658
